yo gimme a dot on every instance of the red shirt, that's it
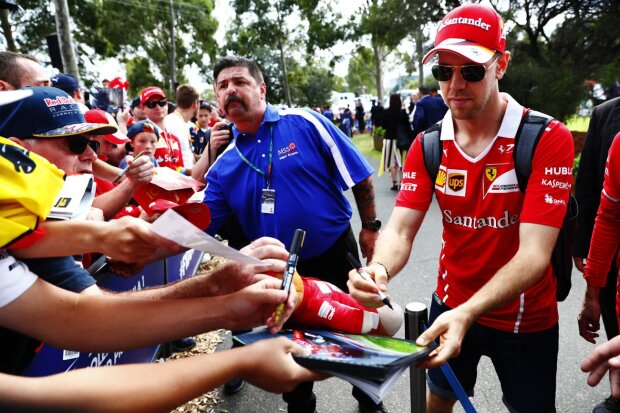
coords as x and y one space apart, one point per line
606 234
482 206
168 151
327 307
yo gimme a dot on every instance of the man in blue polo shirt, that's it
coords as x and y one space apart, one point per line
287 169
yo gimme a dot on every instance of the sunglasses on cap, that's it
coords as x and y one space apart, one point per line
469 73
151 104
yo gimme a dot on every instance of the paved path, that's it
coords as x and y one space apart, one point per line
416 283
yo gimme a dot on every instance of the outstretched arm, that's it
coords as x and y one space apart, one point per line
104 323
392 251
519 274
127 239
155 387
226 278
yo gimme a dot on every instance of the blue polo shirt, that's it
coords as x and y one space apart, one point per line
313 162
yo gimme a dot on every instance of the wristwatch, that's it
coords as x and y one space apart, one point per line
374 225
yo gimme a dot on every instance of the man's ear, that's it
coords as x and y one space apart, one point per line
502 65
263 90
4 86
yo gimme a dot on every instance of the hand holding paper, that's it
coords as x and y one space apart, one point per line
174 227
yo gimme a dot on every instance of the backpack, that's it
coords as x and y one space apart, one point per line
529 133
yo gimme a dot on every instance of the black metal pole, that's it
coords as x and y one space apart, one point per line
416 315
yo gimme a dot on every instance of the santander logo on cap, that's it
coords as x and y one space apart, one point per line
474 31
463 20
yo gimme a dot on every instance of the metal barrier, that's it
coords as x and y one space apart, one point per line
416 316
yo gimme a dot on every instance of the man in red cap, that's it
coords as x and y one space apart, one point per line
155 104
112 199
496 292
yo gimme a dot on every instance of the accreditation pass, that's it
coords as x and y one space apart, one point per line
268 201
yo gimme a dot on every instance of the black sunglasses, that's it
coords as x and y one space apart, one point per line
153 103
470 73
78 144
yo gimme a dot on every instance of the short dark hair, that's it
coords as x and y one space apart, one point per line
237 61
424 90
205 105
434 88
10 68
186 95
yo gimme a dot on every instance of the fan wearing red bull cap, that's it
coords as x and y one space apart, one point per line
91 324
496 292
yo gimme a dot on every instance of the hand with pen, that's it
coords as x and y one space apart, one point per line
139 171
256 305
366 291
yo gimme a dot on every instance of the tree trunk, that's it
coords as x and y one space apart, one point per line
173 51
287 92
378 51
8 33
65 39
419 51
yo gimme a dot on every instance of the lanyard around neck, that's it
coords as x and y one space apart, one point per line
267 174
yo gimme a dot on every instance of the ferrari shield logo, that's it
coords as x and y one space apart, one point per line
491 173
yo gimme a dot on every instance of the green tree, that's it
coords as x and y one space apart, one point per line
551 62
270 31
361 73
125 29
385 23
311 85
139 75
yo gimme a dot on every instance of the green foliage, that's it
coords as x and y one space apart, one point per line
388 22
311 86
361 74
139 75
576 163
548 71
365 144
126 29
578 123
265 30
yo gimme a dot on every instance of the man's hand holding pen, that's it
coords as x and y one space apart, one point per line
140 171
365 292
256 305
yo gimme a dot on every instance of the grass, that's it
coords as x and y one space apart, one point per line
578 123
365 144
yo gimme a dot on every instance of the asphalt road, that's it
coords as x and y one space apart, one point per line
416 283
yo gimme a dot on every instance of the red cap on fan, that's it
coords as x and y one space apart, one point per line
195 212
474 31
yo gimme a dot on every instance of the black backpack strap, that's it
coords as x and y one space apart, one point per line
431 150
530 130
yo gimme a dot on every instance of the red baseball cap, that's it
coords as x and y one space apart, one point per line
150 92
99 116
474 31
197 213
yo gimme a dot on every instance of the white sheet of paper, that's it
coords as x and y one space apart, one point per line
173 226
